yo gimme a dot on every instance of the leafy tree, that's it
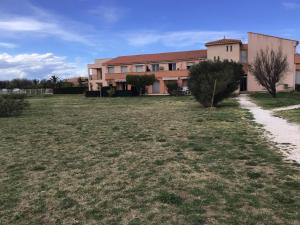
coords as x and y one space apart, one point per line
45 84
268 67
21 83
4 84
140 81
203 77
35 83
54 80
82 82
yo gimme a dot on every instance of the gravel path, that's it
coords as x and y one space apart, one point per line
286 135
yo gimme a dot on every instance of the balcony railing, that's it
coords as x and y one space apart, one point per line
158 74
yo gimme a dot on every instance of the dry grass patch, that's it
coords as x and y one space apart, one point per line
290 115
148 160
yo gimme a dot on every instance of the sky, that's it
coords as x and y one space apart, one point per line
40 38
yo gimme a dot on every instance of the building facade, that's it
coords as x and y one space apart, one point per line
174 66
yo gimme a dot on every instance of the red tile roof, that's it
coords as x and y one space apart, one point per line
159 57
224 42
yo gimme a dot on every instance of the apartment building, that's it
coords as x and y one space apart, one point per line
175 65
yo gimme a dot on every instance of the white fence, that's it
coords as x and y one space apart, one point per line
41 91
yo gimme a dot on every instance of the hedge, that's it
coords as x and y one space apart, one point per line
92 94
69 90
104 93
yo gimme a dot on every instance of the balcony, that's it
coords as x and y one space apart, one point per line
158 74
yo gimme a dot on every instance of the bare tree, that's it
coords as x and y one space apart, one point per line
269 67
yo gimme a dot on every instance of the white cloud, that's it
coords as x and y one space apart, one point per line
7 45
178 39
291 5
21 24
109 14
37 26
35 66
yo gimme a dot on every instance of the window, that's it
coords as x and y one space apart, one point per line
298 77
139 68
231 48
215 58
99 74
218 58
244 56
172 66
155 67
110 69
227 48
90 71
124 69
189 65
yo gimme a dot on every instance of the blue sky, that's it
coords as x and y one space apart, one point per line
42 37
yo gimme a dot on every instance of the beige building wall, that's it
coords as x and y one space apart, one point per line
256 42
215 51
97 75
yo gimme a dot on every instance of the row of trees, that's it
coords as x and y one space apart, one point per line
52 82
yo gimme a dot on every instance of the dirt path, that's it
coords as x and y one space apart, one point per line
286 135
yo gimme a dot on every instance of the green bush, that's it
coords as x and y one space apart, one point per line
203 76
12 105
172 87
111 91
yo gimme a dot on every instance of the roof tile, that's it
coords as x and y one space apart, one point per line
159 57
223 42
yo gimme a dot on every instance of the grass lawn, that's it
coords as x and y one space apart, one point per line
291 115
148 160
283 99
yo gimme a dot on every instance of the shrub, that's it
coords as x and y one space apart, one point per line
14 96
123 93
92 94
111 91
12 105
172 87
105 91
203 76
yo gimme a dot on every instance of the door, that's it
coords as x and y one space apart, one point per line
243 83
155 87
